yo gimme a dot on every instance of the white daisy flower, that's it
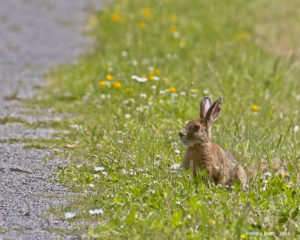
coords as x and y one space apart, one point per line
139 79
96 211
69 215
99 169
175 166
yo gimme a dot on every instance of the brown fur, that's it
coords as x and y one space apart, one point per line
204 154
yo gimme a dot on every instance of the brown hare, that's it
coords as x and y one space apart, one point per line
202 153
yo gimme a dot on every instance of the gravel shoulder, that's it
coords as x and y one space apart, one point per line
34 36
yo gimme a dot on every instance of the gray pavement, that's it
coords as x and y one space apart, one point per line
34 36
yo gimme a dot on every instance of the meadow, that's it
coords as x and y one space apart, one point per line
125 101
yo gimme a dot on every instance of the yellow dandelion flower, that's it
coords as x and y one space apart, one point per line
92 22
288 186
241 37
151 76
117 84
142 25
255 108
243 236
245 34
149 100
182 44
109 77
157 71
283 175
129 90
173 28
116 17
102 83
147 13
172 89
173 18
195 91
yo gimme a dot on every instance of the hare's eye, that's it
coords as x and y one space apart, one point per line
196 127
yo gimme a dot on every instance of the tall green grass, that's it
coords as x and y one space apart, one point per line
192 49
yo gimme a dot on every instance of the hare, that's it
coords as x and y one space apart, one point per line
202 153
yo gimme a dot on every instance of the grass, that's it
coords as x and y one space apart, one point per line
126 131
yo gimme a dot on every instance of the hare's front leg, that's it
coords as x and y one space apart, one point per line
186 162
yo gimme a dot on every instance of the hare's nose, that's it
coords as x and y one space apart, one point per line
180 134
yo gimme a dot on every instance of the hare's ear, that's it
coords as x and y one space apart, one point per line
214 111
204 106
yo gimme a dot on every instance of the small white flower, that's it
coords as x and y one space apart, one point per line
134 63
121 226
96 211
205 91
296 128
153 88
99 169
156 78
91 185
267 174
145 61
176 34
77 127
281 115
124 53
124 171
96 175
151 191
178 203
265 187
162 92
119 131
104 173
143 96
121 141
69 215
175 166
177 152
183 93
139 109
151 69
127 116
139 79
173 95
157 157
189 216
174 144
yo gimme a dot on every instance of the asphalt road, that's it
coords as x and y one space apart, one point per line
34 36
